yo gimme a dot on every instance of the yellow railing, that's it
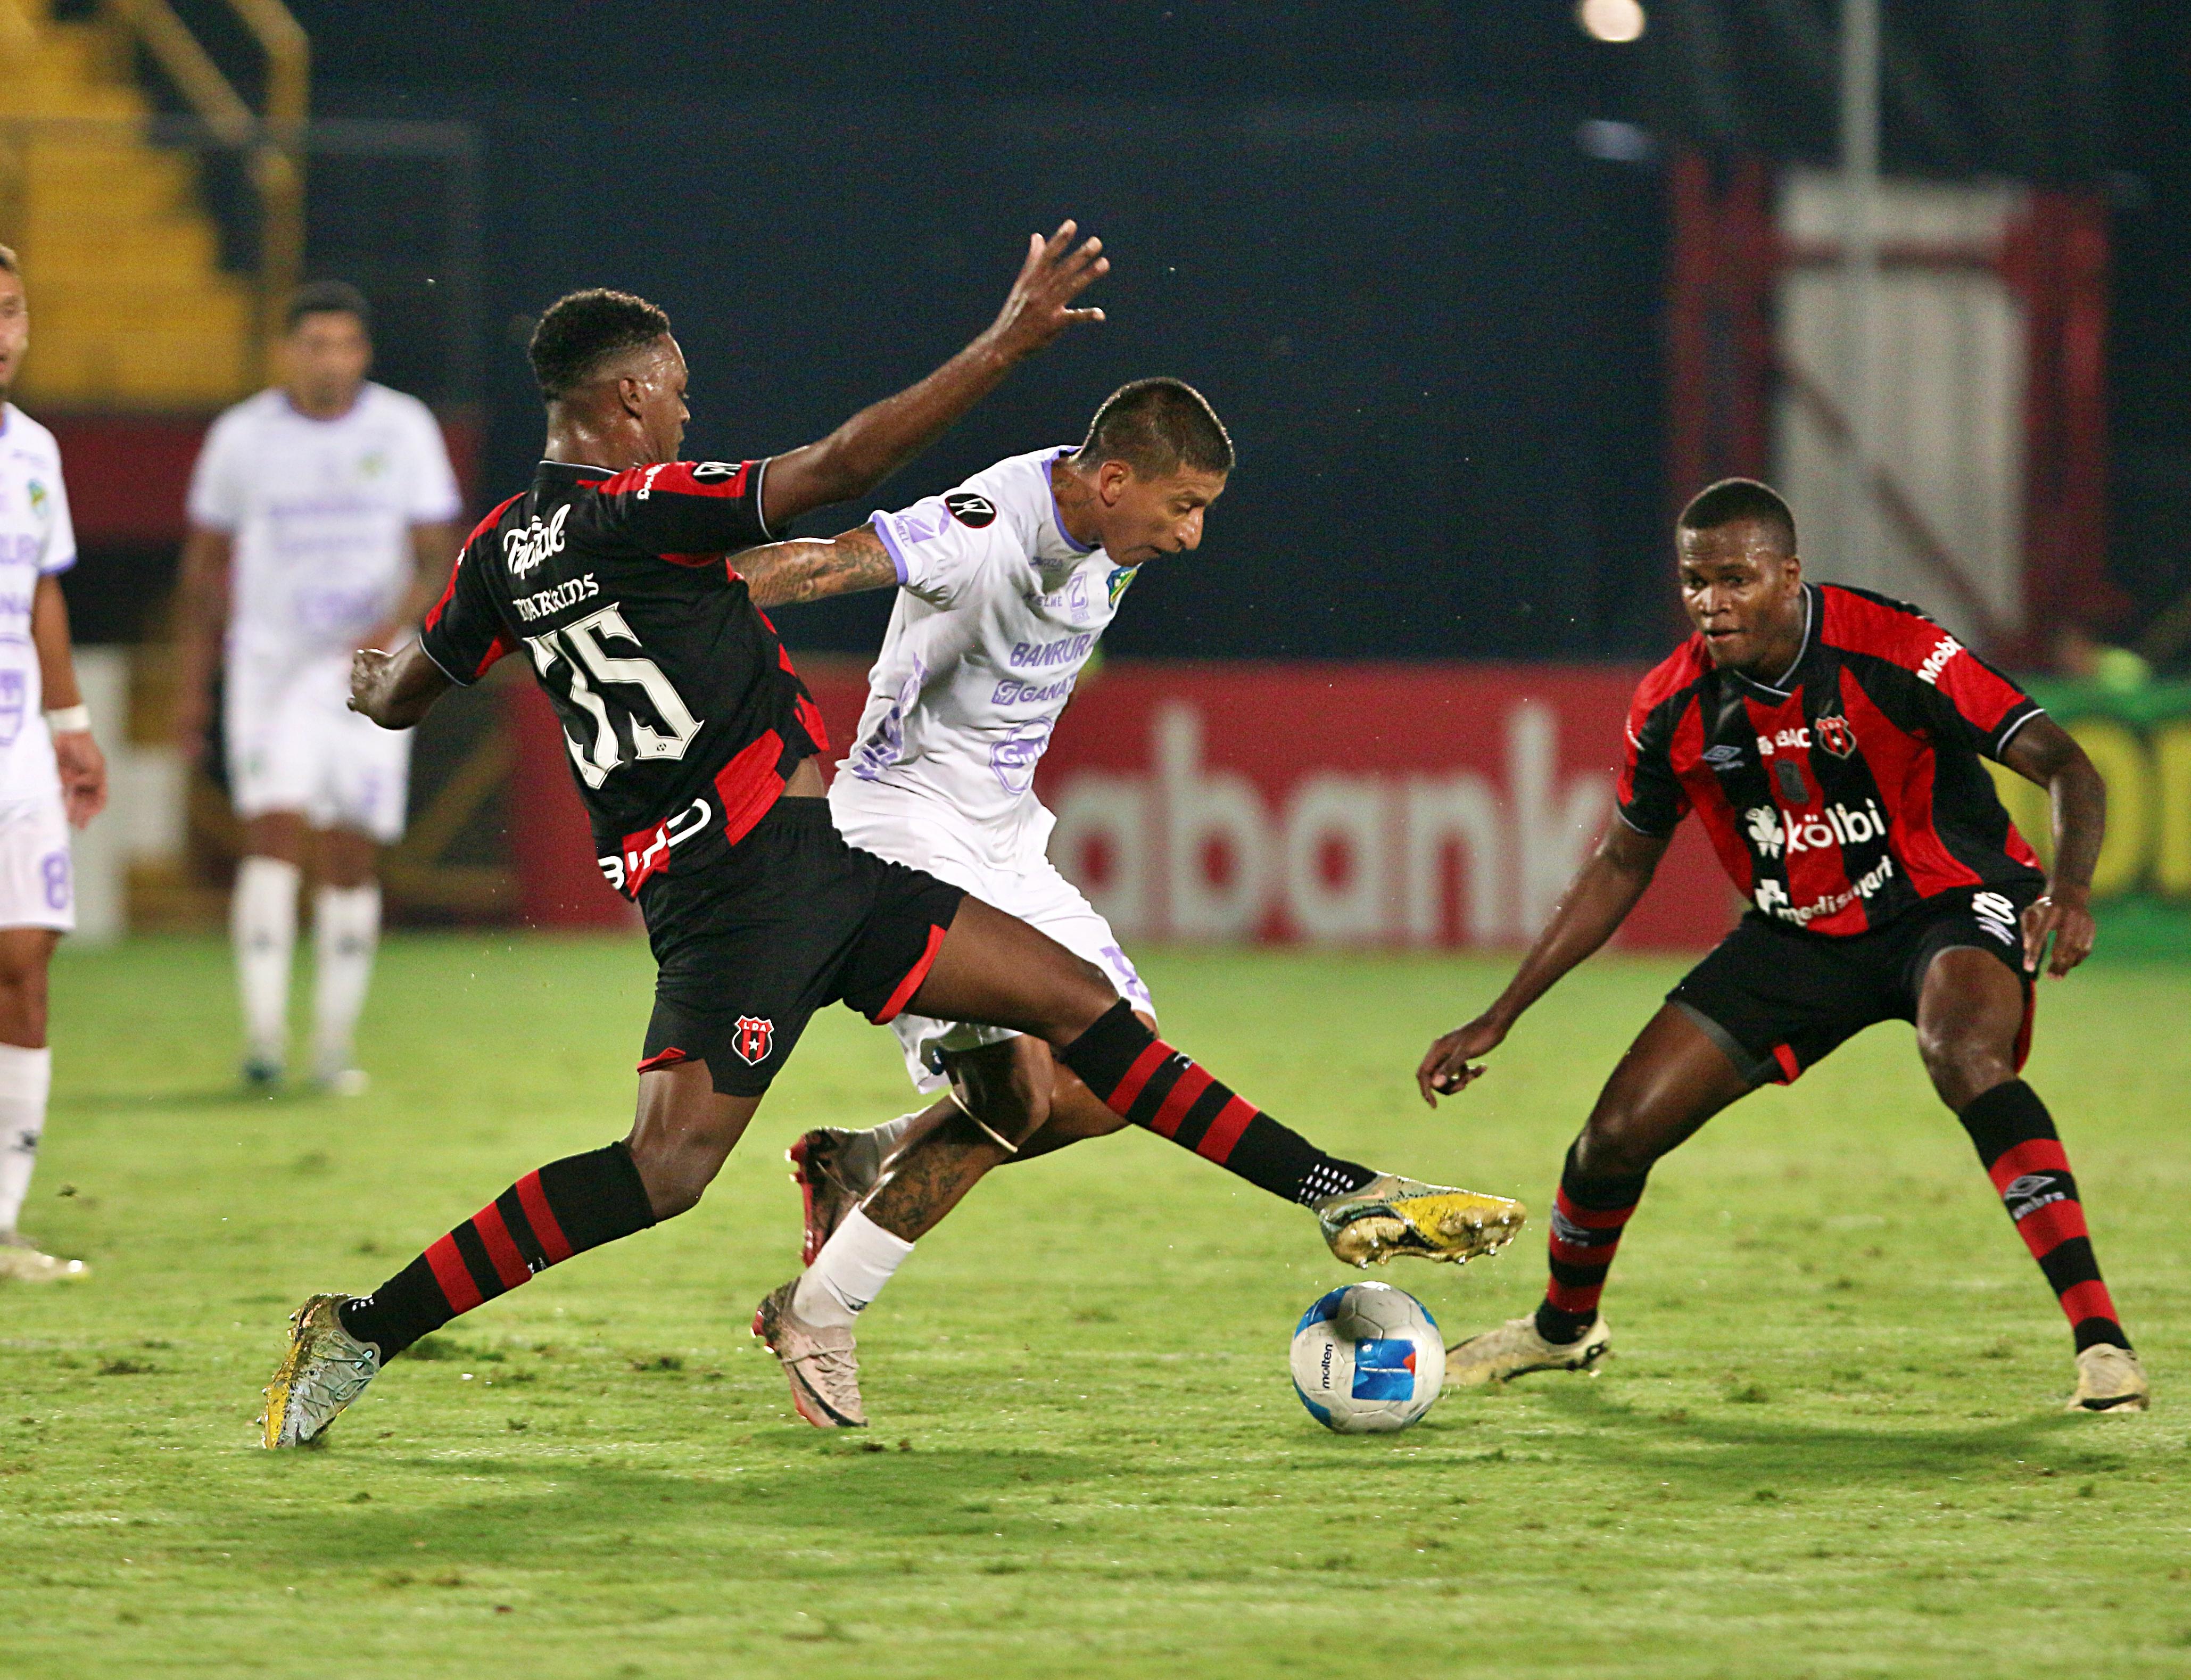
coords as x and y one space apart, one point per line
274 138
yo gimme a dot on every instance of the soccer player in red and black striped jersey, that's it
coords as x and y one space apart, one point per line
1829 741
694 745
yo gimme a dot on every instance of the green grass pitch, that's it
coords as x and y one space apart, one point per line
1828 1444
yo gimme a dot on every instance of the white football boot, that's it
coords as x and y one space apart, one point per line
22 1260
821 1362
1515 1349
2109 1379
324 1369
1391 1215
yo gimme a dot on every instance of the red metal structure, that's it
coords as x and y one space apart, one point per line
1729 257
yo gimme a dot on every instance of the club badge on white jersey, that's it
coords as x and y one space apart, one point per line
998 612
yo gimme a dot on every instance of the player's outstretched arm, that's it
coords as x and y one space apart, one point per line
783 574
2042 751
395 690
879 439
1596 902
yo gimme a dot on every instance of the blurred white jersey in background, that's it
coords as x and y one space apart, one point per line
319 513
36 541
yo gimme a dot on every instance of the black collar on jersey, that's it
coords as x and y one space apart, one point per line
577 471
1786 685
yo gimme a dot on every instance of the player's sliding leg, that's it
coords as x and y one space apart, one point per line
835 1168
1673 1078
995 969
26 1070
684 1132
262 915
1006 973
346 936
1971 1017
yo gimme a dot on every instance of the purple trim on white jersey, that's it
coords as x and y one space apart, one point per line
1055 517
890 542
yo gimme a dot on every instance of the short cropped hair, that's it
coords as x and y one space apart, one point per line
582 331
326 297
7 263
1156 427
1733 498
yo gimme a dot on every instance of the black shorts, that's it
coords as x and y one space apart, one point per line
748 949
1777 1000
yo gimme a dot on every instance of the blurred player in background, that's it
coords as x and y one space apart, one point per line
1829 740
322 521
1005 586
51 774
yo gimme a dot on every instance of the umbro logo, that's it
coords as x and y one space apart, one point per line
1722 755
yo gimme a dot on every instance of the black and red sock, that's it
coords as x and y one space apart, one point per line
1141 1078
2023 1154
566 1208
1587 1216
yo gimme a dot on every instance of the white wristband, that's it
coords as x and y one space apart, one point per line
69 720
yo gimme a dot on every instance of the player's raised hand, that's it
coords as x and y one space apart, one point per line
2065 915
1446 1070
368 676
1039 306
82 769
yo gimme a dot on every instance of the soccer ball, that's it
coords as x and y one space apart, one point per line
1368 1359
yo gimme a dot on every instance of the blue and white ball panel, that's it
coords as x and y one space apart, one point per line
1368 1358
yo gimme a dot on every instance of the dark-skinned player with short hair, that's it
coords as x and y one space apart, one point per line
1829 740
694 743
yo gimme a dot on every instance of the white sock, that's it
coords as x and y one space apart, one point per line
262 922
345 930
25 1077
849 1273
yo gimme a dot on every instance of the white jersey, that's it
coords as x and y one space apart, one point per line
997 613
320 513
36 541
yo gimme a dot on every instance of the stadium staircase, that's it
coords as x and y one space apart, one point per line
133 309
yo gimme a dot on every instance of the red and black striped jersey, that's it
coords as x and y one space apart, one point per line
1850 789
680 708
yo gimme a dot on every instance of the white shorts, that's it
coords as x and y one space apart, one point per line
293 745
37 889
926 836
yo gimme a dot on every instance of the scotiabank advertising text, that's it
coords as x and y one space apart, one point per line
1342 804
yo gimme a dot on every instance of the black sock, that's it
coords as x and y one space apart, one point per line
1141 1078
2023 1154
566 1208
1587 1216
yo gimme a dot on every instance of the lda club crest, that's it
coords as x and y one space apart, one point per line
754 1034
1831 730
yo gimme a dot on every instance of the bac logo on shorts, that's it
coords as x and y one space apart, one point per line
755 1035
973 511
1834 733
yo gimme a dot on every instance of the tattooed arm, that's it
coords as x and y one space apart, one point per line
782 574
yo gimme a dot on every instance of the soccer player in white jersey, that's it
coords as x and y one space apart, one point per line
322 521
1005 585
51 774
